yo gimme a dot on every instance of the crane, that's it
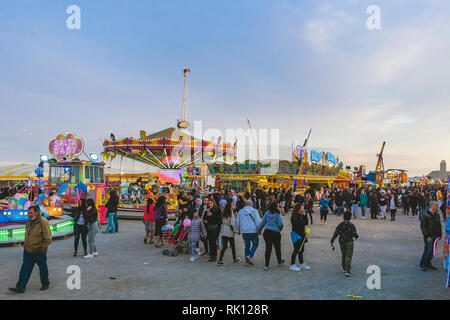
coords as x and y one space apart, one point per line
379 169
254 140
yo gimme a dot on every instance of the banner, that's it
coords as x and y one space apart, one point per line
316 156
331 158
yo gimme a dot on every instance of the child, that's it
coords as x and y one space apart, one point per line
346 232
195 231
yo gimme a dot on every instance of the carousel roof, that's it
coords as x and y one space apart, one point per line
19 172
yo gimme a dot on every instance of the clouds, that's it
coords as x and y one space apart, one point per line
285 64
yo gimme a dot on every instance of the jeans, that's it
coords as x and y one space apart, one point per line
272 238
93 229
79 230
297 251
225 241
425 262
251 242
213 234
193 245
116 222
363 211
355 210
347 254
310 212
111 226
421 213
339 210
29 259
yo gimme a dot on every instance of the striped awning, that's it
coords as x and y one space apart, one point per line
20 172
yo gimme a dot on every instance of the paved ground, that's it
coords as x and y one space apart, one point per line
142 272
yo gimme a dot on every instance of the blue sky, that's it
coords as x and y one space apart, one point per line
291 65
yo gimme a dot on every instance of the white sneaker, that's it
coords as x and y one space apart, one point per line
95 254
89 256
304 266
293 267
192 259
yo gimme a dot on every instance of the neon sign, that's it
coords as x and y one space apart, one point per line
66 146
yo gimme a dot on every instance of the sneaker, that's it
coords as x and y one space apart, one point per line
304 266
95 254
246 263
266 268
293 267
249 260
16 290
237 260
432 267
348 274
192 259
423 269
44 287
88 256
220 263
281 262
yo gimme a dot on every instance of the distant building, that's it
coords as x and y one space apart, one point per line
443 176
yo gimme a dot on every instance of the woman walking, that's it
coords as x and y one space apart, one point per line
272 232
309 203
228 231
298 236
323 204
92 218
79 226
160 215
202 215
149 221
214 221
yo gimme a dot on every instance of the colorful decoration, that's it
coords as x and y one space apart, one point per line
331 158
170 176
66 146
316 156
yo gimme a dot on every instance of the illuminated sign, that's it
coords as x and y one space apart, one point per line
66 146
170 176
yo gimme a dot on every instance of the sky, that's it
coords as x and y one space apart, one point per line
287 65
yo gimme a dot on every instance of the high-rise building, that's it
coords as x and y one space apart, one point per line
443 171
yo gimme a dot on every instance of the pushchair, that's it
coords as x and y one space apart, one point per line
179 242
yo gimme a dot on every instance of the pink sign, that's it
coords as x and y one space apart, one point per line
66 146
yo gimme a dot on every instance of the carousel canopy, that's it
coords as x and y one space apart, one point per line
167 149
20 172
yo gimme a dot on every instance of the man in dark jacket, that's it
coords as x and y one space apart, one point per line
431 230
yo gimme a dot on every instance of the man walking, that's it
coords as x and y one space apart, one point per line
37 239
347 233
247 223
431 229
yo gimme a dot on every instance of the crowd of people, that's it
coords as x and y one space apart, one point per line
214 219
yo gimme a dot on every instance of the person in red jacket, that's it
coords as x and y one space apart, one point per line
149 221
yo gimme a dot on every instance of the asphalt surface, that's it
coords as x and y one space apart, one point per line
126 268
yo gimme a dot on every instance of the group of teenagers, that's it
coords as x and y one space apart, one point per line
217 218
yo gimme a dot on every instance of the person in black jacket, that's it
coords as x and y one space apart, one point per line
92 220
347 233
112 205
431 230
298 220
80 223
214 222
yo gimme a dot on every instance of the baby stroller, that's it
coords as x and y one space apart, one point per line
179 240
